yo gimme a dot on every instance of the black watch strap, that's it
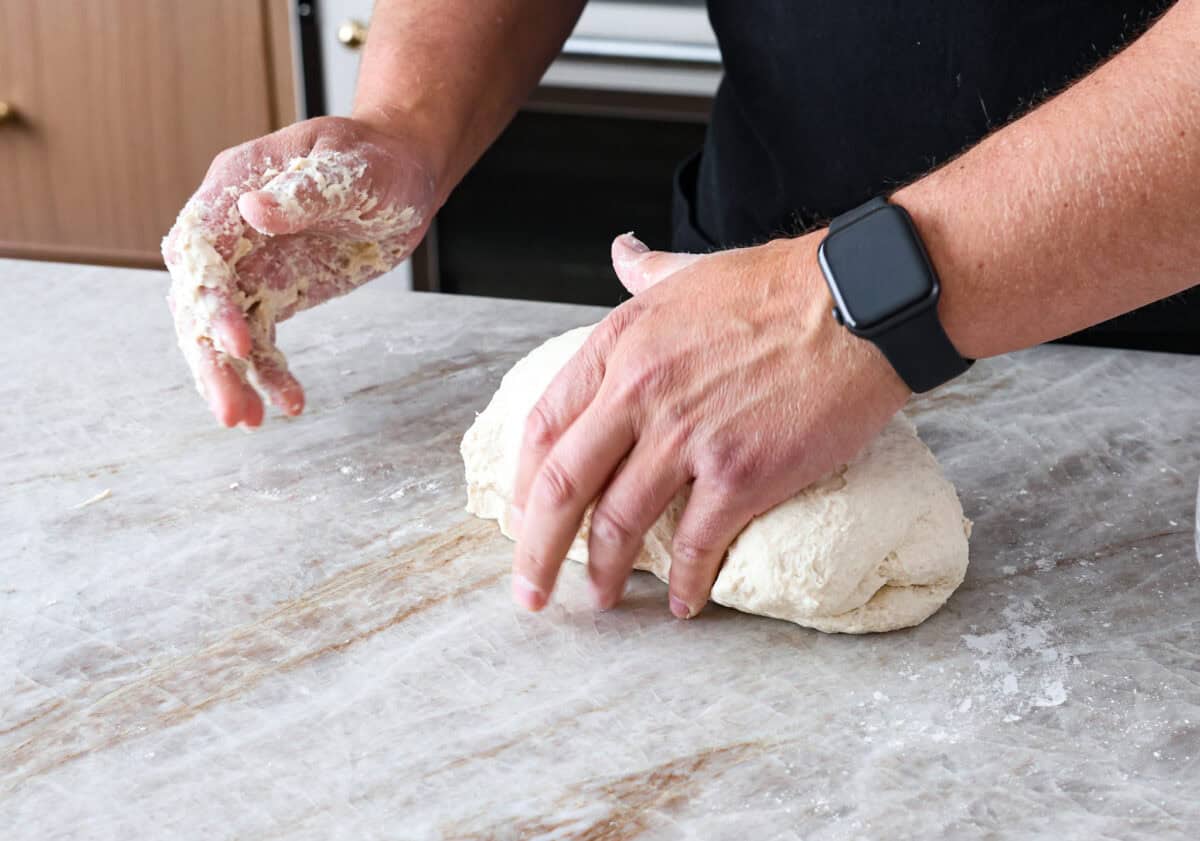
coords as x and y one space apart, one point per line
918 347
921 352
852 216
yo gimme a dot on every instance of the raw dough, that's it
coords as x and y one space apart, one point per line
879 544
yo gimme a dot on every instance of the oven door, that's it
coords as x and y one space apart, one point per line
536 216
592 155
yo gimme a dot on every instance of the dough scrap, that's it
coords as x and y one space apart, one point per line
879 544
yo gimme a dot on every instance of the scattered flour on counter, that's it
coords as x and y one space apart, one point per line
1054 695
351 470
421 486
1020 666
383 476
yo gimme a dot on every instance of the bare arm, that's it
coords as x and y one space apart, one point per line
1086 208
726 373
450 74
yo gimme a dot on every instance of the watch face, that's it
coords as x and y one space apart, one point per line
878 267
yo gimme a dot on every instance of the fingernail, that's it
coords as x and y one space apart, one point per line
633 243
527 594
679 608
514 521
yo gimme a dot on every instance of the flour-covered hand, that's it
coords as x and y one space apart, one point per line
280 224
726 374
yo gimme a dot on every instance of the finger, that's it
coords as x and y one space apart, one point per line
569 393
201 250
636 497
311 190
252 407
270 369
230 330
638 268
710 522
570 477
229 396
203 287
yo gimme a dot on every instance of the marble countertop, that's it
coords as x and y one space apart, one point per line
298 633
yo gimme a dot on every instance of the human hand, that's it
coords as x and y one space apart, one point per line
280 224
725 371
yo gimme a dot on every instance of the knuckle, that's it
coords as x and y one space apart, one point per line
689 552
610 527
226 160
652 377
730 467
540 429
234 161
334 124
533 566
556 485
644 379
681 432
617 322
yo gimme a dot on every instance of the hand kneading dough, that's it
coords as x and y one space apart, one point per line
878 545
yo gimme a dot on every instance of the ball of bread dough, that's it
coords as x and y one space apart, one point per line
877 545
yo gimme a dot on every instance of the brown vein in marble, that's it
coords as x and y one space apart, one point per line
632 799
348 608
387 788
38 714
1105 551
545 729
423 375
67 475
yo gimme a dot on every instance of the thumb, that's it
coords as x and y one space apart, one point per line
309 190
638 268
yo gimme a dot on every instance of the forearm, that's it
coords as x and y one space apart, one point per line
1085 208
450 74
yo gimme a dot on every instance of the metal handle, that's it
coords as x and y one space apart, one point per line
8 113
352 33
668 52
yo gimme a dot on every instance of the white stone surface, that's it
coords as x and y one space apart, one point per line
299 633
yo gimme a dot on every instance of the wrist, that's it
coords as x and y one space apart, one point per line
887 292
417 136
859 358
948 248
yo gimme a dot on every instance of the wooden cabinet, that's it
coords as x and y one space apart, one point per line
117 108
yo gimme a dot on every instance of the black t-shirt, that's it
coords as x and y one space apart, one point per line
826 103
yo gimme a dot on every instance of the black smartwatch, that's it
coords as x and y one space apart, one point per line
886 291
